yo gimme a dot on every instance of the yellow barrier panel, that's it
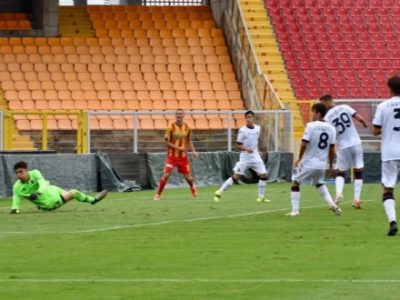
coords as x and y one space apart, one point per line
8 123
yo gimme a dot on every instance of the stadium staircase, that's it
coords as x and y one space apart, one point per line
74 22
346 48
270 57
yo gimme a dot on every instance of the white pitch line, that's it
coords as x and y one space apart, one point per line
195 280
141 225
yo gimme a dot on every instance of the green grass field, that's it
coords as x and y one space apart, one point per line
131 247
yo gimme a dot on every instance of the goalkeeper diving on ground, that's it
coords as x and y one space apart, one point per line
32 186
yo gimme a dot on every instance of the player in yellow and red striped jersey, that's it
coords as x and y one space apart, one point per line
177 137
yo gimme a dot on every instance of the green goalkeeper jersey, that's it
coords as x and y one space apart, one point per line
36 183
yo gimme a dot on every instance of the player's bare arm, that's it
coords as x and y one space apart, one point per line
243 148
193 149
360 119
331 157
171 145
377 130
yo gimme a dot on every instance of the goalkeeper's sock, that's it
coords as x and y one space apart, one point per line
82 197
323 190
357 189
262 183
161 185
226 184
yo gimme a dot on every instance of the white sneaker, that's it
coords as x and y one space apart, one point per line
293 214
336 210
338 199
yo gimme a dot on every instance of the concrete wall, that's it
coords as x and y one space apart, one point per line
50 17
218 7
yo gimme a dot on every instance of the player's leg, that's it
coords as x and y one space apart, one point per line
358 182
341 168
358 164
169 167
189 180
318 180
183 166
260 169
238 170
339 185
81 197
295 199
230 181
389 177
298 176
163 181
262 184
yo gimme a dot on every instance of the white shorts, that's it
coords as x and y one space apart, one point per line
257 166
348 158
390 172
301 175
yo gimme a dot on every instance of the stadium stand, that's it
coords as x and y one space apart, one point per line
345 48
140 58
14 21
270 57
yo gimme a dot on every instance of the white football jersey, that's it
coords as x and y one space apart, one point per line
320 136
341 117
387 117
248 137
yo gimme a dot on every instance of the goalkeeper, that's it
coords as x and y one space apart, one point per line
32 186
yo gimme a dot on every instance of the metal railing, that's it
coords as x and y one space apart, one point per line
277 127
8 127
256 88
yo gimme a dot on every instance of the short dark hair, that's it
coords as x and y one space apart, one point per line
326 97
394 84
319 108
249 112
20 165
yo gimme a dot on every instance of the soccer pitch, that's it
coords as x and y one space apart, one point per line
131 247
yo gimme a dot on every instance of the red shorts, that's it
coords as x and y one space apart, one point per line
181 163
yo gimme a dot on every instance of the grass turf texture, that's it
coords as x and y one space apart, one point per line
240 250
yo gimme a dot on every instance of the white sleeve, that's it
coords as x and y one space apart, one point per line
307 133
378 117
240 137
351 110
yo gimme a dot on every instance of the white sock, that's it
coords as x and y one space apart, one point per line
226 184
390 209
261 188
339 185
295 199
357 189
323 190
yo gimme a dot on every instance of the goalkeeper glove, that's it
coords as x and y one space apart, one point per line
33 196
14 211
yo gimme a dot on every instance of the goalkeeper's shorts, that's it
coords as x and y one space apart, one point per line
51 199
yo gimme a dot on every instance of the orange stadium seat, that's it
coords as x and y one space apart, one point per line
140 58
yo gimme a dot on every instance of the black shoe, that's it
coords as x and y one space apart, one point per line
392 229
100 196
